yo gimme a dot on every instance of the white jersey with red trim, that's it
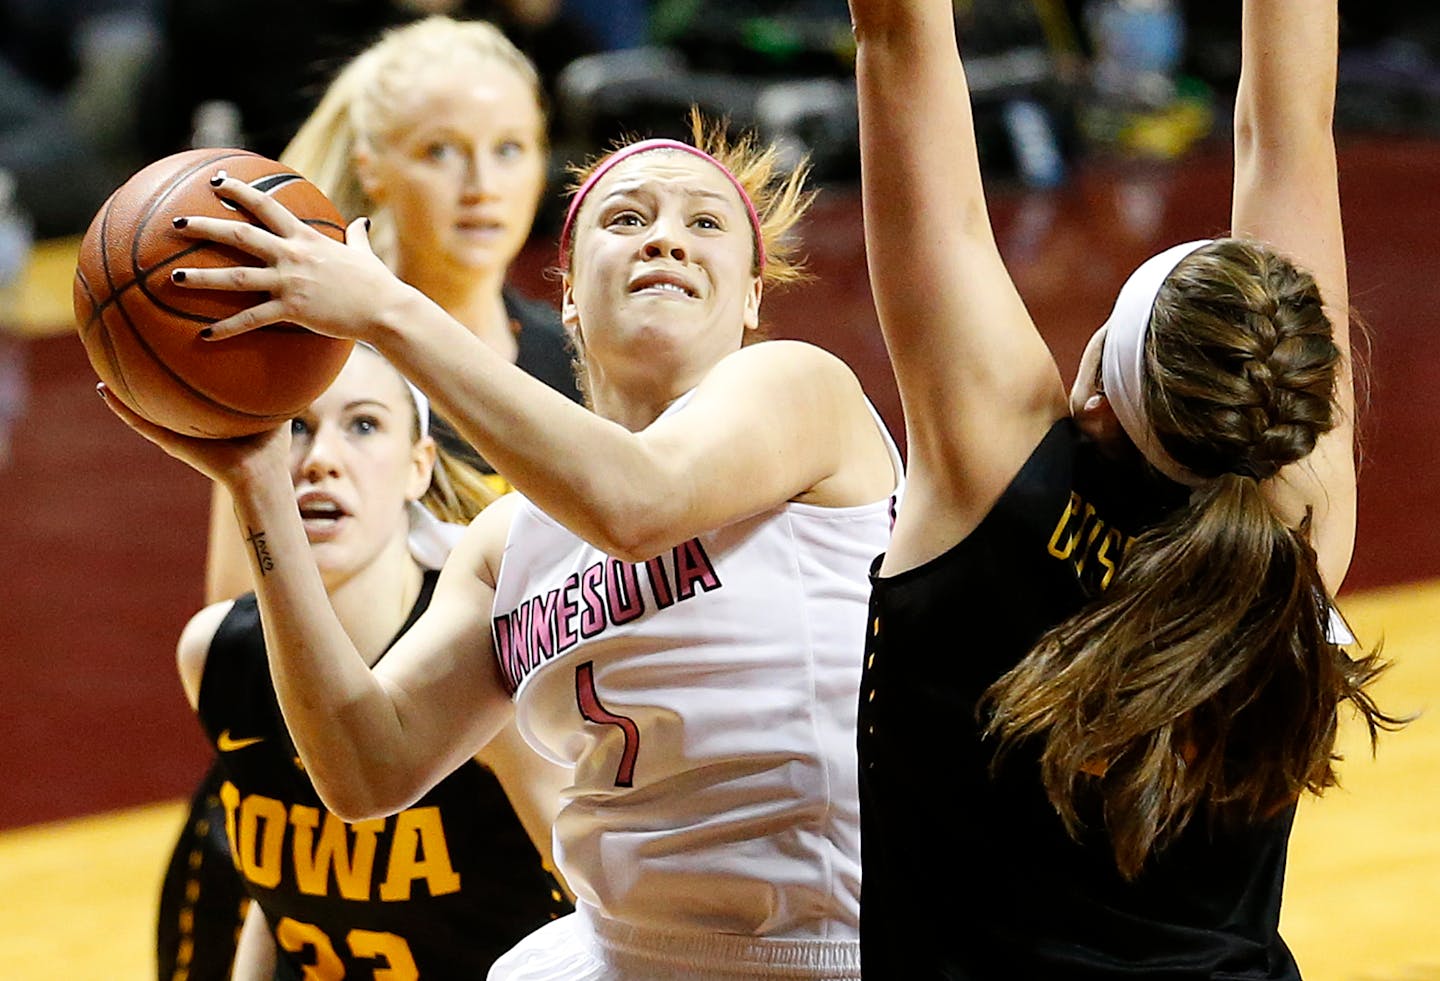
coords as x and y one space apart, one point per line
707 700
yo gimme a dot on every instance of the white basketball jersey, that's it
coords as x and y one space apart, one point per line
707 700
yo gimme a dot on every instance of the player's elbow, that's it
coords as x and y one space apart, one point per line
887 26
634 535
1334 549
354 800
633 518
345 803
1263 132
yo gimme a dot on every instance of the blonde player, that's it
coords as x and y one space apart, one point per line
438 131
445 886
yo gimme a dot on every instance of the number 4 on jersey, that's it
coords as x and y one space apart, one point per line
589 702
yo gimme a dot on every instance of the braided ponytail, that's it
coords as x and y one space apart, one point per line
1242 365
1203 681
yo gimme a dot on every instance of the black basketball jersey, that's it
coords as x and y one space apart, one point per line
543 348
437 891
970 875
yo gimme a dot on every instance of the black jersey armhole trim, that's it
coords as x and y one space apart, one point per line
1036 456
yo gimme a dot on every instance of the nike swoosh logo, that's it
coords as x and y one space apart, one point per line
227 745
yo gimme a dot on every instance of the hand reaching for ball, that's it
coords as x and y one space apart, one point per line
230 462
331 288
141 331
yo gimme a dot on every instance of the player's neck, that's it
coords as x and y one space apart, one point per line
475 299
487 319
374 602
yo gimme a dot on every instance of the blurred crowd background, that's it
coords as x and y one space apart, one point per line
90 90
1104 131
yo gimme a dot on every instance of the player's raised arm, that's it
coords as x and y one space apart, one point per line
1286 194
978 385
623 484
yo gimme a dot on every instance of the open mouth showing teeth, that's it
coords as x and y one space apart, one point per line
675 288
321 511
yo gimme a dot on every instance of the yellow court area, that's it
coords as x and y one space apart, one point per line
1362 898
77 899
43 302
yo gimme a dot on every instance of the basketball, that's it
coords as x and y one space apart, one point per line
142 332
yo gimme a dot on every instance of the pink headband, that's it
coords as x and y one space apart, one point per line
645 146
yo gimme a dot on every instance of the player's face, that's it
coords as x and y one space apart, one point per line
662 269
463 175
355 466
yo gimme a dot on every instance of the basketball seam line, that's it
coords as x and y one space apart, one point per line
113 300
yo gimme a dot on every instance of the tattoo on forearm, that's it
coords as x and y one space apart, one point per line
262 551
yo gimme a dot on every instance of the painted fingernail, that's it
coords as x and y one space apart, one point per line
205 332
178 276
218 179
180 222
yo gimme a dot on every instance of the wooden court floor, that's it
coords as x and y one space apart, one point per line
77 897
104 538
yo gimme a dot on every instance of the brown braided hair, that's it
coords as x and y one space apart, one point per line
1204 679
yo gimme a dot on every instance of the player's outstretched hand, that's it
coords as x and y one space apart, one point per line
312 280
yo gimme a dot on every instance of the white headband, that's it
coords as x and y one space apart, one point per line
422 407
417 397
1122 363
431 540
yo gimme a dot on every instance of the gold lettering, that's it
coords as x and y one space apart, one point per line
399 962
1114 540
230 797
313 862
1095 530
262 835
1070 508
419 831
255 826
295 936
1080 522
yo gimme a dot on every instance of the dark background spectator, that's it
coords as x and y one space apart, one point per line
90 90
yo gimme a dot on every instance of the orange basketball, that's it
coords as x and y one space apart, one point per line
141 331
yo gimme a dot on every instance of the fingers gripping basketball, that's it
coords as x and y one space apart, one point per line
142 332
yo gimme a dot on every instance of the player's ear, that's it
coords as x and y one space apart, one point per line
1097 420
752 303
423 456
362 157
569 314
